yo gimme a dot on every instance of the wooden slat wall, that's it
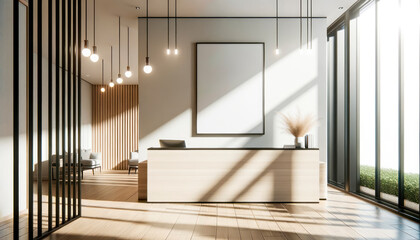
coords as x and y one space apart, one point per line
115 124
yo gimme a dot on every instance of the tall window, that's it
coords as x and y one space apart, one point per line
410 39
367 99
388 33
382 98
336 107
340 107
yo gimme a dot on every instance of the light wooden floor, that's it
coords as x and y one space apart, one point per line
111 211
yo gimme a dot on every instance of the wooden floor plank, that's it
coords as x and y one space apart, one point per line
111 211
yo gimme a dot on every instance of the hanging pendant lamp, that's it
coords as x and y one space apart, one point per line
86 51
311 27
94 57
128 73
103 86
300 23
168 50
111 84
147 68
307 24
176 29
119 79
277 28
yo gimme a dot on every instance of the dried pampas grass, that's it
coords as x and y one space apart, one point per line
297 125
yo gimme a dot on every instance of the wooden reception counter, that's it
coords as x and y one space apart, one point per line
232 175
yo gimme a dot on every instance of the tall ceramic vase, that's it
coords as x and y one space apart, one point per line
300 142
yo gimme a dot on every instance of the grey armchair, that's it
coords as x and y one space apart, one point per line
133 162
62 166
91 160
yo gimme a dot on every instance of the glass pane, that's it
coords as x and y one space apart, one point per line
340 111
389 112
410 26
367 99
331 99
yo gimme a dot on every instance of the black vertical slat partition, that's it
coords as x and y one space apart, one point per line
15 120
57 113
50 115
60 164
74 108
63 109
39 117
69 160
79 72
30 118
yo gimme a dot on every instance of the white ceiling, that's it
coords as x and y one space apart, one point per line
107 23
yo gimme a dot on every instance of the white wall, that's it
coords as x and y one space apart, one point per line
6 120
86 117
294 80
6 109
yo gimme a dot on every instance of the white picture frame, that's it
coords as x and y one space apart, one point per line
230 88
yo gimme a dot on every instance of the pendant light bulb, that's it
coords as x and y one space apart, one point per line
102 89
119 79
94 57
168 51
111 84
147 68
176 51
128 73
86 51
277 51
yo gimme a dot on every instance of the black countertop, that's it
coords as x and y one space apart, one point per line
158 148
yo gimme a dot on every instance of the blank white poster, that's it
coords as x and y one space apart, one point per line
230 88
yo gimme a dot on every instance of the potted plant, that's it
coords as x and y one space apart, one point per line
298 126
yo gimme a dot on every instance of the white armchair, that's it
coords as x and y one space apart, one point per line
133 162
91 160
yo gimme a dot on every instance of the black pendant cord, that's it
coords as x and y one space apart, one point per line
57 113
277 24
176 24
168 25
111 64
147 28
300 22
307 24
119 46
86 19
94 22
128 47
311 24
103 72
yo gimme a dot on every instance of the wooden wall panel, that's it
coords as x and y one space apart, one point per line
115 124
